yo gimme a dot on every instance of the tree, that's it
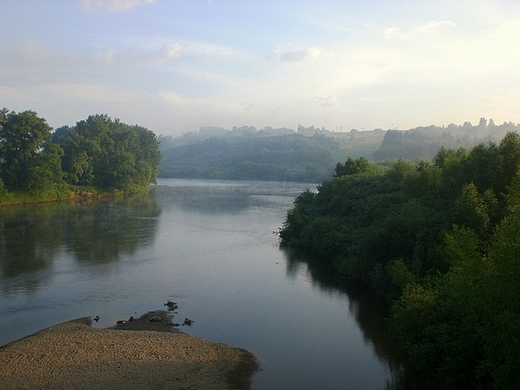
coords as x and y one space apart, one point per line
500 297
148 157
472 211
24 138
351 167
45 169
109 154
509 154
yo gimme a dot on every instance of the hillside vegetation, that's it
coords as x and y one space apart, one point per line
307 154
268 154
440 240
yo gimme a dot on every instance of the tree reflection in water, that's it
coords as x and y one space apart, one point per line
369 311
98 232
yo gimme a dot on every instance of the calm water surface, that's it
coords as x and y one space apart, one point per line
210 247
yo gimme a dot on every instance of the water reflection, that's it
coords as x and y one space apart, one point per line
209 200
369 312
32 236
111 228
224 197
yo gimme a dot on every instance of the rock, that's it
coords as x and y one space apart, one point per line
171 305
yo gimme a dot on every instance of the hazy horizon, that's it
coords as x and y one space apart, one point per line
177 66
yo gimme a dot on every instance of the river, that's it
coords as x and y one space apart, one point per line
209 246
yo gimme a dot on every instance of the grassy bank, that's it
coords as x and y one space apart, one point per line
60 193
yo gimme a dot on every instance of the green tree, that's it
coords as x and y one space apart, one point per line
109 154
45 170
509 153
472 211
351 167
148 157
499 299
28 162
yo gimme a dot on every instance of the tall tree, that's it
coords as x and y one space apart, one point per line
109 154
24 151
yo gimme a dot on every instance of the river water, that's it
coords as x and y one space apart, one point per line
209 246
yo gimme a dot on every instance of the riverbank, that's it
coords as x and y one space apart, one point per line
62 193
73 355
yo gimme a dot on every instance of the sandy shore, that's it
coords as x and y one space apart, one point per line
73 355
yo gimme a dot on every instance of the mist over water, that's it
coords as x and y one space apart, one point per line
209 246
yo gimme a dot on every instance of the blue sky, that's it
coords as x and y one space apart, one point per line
174 66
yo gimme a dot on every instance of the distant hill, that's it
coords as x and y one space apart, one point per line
309 153
424 142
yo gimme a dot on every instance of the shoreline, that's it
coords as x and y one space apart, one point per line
75 355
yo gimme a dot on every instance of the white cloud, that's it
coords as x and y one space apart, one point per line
91 93
394 32
301 55
428 29
173 50
505 39
434 26
111 6
107 56
137 56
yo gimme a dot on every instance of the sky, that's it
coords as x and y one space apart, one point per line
174 66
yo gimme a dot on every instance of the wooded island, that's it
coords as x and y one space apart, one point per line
97 156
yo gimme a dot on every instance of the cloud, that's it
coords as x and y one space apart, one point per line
171 51
326 101
393 32
254 106
25 54
431 28
434 26
301 55
111 6
136 56
90 93
155 51
506 35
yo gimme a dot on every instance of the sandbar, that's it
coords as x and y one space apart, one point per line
74 355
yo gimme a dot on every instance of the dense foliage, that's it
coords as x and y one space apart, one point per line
106 153
100 153
288 157
440 240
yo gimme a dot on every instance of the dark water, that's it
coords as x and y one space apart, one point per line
210 247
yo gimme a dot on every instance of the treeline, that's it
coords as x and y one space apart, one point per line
254 156
441 241
97 154
424 142
206 132
309 153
